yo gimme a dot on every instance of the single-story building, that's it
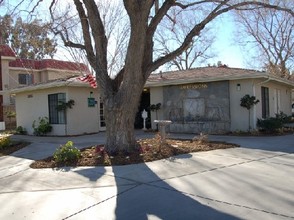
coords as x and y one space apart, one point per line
197 100
15 72
41 100
208 99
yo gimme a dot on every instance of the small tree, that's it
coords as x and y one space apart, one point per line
247 102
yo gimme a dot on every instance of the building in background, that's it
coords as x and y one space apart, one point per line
16 72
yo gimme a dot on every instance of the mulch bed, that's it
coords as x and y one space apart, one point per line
148 150
12 148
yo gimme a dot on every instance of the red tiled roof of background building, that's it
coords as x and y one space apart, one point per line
5 50
49 64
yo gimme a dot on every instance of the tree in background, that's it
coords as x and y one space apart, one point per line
271 33
121 93
178 24
117 30
29 40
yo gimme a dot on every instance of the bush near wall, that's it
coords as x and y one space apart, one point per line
273 124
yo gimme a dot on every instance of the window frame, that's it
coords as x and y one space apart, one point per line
25 79
56 116
265 102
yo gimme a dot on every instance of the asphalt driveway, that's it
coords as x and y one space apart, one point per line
254 181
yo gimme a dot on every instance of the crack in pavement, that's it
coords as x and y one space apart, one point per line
222 202
134 184
151 184
100 202
222 167
13 174
66 189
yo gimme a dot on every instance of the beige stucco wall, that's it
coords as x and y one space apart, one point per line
29 107
5 81
13 76
81 119
156 96
239 115
39 75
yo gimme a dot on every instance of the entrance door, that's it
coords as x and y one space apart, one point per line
102 126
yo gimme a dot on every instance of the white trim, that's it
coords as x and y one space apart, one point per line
8 57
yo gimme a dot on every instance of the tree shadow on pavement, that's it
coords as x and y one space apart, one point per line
146 196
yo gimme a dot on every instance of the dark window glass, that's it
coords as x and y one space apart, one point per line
25 79
56 116
265 102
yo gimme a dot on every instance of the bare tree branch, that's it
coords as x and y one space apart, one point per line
272 31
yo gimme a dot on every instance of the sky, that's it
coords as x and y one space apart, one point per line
227 51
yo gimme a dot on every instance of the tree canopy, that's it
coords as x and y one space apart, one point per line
29 40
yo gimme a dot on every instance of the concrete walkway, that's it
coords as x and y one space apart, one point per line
254 181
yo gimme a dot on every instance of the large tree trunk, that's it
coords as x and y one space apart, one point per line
122 101
120 112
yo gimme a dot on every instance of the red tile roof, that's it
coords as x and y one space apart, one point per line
49 64
5 50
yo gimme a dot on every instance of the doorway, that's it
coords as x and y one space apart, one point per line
144 105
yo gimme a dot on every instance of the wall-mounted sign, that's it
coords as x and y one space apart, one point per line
194 86
91 102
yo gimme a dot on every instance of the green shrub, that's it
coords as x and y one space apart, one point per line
43 126
5 142
269 124
67 154
273 124
20 130
283 117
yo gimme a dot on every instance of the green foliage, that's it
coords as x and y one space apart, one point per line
29 40
20 130
64 105
269 124
248 101
273 124
67 153
283 117
43 126
10 114
155 107
5 142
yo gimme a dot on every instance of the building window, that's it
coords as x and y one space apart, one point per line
265 102
56 116
25 79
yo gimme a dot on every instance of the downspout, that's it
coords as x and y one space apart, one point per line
254 94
